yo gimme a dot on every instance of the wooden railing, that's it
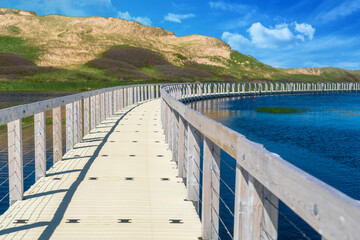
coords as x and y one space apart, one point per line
84 111
262 178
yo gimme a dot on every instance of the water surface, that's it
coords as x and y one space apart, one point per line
320 135
10 99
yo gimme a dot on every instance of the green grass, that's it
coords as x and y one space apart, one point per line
20 47
181 57
280 110
152 71
13 29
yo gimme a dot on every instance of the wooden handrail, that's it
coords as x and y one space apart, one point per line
261 176
83 112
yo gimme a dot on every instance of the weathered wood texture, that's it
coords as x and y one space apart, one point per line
40 145
57 135
69 126
22 111
193 166
16 177
269 173
210 191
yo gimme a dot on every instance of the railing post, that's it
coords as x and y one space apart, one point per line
86 116
107 105
193 166
111 103
210 190
98 109
180 146
81 120
152 91
40 145
57 135
76 126
69 126
256 214
15 158
174 140
93 114
102 107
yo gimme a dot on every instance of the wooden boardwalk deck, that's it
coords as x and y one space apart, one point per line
118 183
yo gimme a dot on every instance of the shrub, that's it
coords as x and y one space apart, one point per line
9 59
137 57
106 63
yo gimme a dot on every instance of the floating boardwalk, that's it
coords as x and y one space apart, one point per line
143 166
119 182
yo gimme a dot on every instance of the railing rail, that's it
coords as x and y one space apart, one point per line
84 111
262 177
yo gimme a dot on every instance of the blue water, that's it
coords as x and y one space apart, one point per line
322 141
9 99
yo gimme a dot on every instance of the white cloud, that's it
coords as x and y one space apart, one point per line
177 18
305 29
126 15
346 8
281 36
263 37
236 41
234 7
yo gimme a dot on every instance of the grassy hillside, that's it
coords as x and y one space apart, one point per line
74 54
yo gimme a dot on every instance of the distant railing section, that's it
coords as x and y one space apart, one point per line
262 178
84 111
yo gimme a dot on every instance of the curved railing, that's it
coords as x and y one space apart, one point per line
262 178
83 112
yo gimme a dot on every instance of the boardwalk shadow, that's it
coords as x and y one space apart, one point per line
23 227
63 172
44 194
59 214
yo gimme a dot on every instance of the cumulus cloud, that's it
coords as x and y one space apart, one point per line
305 29
263 37
236 41
177 18
346 8
234 7
280 36
126 15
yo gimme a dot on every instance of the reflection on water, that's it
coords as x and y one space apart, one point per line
9 99
322 141
214 109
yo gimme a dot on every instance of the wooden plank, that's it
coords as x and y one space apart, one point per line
69 126
107 105
86 116
206 225
181 148
76 127
111 103
97 110
175 137
81 120
93 112
210 191
15 158
40 145
102 107
57 135
291 185
22 111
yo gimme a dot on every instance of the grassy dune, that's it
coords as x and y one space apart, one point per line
80 54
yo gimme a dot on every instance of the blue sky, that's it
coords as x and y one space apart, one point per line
280 33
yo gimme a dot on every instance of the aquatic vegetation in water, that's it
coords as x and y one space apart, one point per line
280 110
